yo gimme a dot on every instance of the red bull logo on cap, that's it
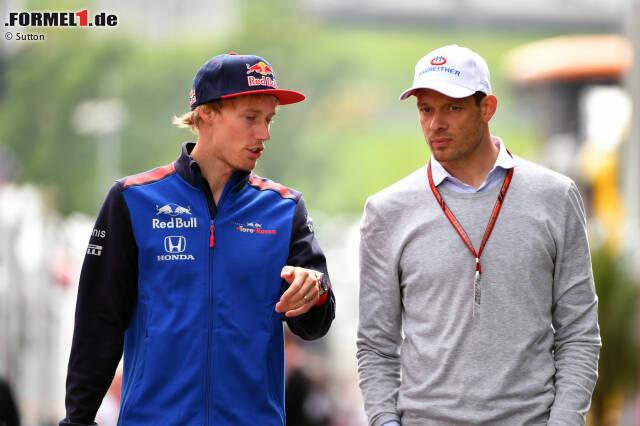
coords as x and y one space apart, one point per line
192 97
265 71
260 68
438 60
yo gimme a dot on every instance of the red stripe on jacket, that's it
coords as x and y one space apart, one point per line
263 184
150 176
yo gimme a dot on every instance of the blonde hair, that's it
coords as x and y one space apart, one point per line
191 119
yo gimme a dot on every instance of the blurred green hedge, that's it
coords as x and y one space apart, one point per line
351 138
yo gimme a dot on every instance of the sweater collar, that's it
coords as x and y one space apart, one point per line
504 161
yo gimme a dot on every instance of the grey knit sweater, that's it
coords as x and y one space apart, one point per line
529 356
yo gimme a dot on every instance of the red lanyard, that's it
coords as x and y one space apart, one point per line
460 230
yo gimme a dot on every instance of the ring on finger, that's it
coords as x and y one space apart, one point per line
306 300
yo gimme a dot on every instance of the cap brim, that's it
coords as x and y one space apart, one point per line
285 97
448 89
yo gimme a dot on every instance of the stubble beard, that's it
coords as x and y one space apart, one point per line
458 155
448 154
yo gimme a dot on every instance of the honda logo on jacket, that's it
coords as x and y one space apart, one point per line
175 245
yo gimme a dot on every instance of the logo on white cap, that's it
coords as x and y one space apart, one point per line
454 71
438 60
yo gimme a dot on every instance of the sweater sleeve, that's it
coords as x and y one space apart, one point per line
379 328
575 319
106 295
305 252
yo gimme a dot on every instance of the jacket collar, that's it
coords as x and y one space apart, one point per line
190 171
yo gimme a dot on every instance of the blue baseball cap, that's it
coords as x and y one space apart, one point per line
229 75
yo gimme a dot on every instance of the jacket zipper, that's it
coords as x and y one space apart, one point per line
212 228
210 327
213 212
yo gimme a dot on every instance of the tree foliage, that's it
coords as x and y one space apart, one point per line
351 138
617 307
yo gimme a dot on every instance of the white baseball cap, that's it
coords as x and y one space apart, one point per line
454 71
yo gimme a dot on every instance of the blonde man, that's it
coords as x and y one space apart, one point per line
193 266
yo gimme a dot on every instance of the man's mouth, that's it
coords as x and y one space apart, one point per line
440 141
255 152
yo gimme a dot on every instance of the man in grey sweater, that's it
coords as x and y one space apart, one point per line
477 301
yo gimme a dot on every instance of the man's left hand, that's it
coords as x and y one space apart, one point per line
303 291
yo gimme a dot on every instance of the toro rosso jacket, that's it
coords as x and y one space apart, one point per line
187 290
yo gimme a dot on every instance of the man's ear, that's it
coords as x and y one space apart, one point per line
488 107
206 113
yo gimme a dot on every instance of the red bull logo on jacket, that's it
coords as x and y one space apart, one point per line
174 223
174 211
267 79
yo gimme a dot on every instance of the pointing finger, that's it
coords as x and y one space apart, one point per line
287 273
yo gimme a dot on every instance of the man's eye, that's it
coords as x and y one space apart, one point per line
251 118
455 108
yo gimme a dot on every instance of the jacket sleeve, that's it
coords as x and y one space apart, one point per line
575 319
304 251
380 320
106 295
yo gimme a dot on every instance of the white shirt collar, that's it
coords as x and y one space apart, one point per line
504 161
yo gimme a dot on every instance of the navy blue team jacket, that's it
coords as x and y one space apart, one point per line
187 289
